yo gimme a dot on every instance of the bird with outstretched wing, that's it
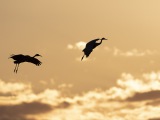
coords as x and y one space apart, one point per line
90 46
20 58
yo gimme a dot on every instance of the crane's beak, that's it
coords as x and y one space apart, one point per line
39 55
103 38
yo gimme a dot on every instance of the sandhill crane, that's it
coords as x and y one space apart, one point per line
90 46
24 58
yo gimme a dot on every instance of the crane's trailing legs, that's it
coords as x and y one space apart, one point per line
82 57
16 68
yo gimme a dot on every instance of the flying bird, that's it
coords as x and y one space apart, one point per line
24 58
90 46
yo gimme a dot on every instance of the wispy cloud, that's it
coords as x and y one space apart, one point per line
134 52
117 52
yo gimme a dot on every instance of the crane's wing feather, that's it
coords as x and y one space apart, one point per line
87 52
34 61
92 44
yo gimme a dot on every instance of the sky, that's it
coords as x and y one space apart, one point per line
123 72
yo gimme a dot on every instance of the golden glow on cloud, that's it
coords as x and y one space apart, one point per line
12 87
130 97
79 45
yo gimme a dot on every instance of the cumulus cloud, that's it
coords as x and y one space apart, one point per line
22 103
12 88
131 98
129 85
145 96
79 45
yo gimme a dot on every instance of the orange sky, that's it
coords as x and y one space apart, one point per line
50 27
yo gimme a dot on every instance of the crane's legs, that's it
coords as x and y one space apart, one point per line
16 68
82 57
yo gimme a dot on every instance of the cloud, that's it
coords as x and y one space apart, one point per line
12 88
131 98
145 96
130 53
154 103
158 118
20 102
128 85
127 100
114 51
134 52
63 105
79 45
22 110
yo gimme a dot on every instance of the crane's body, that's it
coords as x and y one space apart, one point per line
90 46
25 58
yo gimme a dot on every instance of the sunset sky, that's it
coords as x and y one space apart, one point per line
120 80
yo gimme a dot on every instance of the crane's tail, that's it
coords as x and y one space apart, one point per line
11 56
82 57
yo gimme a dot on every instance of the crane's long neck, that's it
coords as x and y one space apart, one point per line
100 42
34 56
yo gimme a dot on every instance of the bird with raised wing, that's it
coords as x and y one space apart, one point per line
90 46
20 58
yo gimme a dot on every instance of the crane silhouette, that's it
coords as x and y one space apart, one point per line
90 46
24 58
